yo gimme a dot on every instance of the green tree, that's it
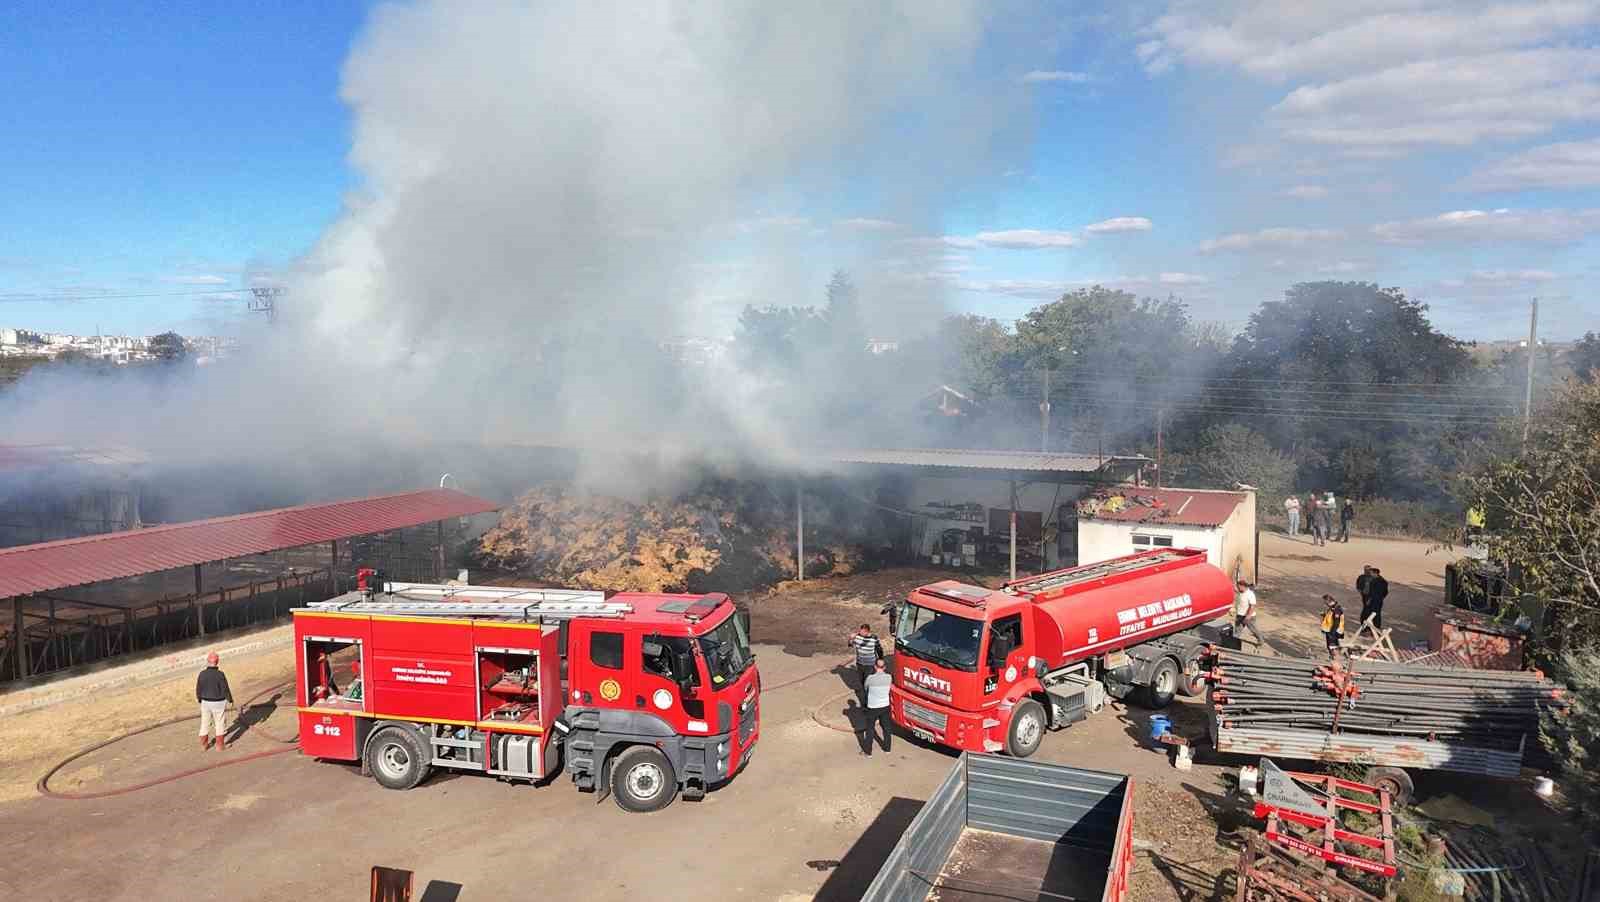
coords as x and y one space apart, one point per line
1542 503
844 311
1339 365
1584 357
1573 739
1228 455
169 347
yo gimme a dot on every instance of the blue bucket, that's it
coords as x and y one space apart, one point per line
1160 724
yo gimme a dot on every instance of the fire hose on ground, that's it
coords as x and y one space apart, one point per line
44 782
43 786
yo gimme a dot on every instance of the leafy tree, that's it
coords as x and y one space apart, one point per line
1357 360
1573 739
168 347
776 338
1542 504
1584 358
844 311
1228 455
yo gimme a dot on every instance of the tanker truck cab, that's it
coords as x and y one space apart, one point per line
662 701
992 670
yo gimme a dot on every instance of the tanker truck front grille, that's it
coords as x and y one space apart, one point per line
932 718
747 720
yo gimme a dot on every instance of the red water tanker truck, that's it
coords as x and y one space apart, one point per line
991 670
643 695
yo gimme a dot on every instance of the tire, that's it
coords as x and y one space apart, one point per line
1193 686
642 779
398 758
1396 781
1164 682
1026 730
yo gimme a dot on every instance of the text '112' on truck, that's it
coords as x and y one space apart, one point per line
990 670
645 696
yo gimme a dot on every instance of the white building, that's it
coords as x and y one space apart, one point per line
1125 519
882 345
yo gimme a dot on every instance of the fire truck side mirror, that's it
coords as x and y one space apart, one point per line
1000 645
744 622
682 668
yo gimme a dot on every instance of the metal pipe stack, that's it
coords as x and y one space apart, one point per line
1483 709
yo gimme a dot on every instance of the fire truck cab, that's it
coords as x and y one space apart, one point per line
641 695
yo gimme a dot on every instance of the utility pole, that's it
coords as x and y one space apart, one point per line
1160 416
1044 414
1533 341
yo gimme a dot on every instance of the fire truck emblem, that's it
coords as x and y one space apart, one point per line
610 690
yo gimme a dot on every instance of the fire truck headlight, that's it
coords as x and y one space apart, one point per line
722 766
722 748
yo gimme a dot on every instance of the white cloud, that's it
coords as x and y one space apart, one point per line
201 279
1021 288
1183 278
866 224
1359 35
1018 239
1305 192
772 222
1265 238
1494 276
1048 76
1569 164
1120 224
1341 267
1552 226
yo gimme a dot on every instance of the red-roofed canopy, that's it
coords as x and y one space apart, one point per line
26 569
1173 507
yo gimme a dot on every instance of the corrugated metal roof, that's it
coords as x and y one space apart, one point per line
1020 461
74 562
33 457
1173 507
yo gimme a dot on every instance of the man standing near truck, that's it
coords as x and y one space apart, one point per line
212 692
868 651
1333 626
1244 613
877 689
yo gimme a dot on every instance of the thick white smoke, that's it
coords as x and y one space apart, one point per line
547 190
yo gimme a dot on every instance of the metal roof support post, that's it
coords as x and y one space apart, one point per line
19 642
1013 484
439 570
333 568
199 606
799 530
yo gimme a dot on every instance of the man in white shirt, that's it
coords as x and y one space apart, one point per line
877 689
1244 613
1291 506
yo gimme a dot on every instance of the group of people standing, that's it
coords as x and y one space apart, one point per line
1319 514
1371 585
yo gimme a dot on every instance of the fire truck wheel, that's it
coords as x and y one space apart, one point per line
397 758
1163 685
1395 780
642 779
1194 677
1026 730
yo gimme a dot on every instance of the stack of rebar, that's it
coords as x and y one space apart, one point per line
1387 713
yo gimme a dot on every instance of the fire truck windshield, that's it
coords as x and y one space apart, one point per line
940 638
727 651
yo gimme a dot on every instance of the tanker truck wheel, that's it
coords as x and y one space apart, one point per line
1396 781
397 758
1026 730
1163 685
643 780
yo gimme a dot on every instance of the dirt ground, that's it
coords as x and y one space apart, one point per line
809 818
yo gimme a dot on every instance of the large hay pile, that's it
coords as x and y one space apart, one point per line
725 535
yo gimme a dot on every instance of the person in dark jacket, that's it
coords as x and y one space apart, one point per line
867 651
1347 512
1372 601
212 692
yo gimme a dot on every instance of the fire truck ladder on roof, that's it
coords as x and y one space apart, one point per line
428 600
1044 582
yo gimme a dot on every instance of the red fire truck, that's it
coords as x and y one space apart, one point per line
991 670
642 695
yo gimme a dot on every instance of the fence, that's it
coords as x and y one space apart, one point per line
43 641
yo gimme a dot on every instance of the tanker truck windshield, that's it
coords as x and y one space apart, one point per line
937 637
727 651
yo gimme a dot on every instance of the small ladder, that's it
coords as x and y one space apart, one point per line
428 600
1044 582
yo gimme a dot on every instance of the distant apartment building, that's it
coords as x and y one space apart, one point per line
883 345
695 351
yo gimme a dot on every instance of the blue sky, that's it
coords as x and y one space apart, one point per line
1219 152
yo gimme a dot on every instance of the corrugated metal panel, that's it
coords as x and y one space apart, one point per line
925 845
1048 802
73 562
1170 507
1020 461
1367 748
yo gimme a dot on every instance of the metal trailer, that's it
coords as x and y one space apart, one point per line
1459 733
1008 827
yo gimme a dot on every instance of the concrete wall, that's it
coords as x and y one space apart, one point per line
1100 540
1238 555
